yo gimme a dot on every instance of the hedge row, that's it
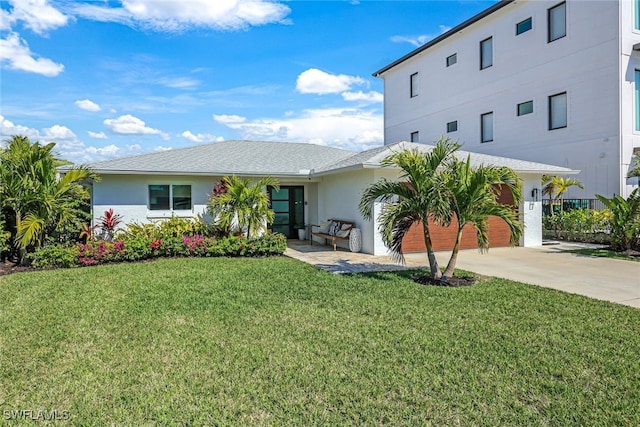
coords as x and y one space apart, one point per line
137 247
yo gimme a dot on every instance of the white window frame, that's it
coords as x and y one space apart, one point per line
171 201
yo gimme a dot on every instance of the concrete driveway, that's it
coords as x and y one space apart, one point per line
549 266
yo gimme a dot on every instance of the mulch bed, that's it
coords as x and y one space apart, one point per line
10 267
452 282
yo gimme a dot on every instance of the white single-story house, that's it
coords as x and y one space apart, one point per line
317 183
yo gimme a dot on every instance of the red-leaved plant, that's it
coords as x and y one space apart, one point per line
108 223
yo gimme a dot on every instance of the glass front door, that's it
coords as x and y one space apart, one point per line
288 205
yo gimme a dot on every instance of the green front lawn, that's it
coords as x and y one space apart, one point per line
605 253
215 341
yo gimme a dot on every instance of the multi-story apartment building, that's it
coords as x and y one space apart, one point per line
547 81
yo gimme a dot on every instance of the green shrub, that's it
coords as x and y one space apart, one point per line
586 225
55 256
5 238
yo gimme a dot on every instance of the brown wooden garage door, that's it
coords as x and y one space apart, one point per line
443 238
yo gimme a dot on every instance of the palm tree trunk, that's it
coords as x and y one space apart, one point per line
433 262
451 265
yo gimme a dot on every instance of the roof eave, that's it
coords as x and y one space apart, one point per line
446 35
210 173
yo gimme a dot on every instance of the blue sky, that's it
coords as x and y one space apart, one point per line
108 78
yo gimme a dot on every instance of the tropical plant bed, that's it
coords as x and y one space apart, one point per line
273 341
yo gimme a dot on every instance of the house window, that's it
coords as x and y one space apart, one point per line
164 197
415 136
486 127
413 85
486 53
637 96
452 59
557 22
523 26
558 111
452 126
525 108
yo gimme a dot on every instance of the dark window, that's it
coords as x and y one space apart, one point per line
486 53
452 126
557 22
181 197
525 108
486 127
415 136
164 197
523 26
413 85
159 197
452 59
558 111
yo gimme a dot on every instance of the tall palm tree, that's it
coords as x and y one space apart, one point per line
243 206
38 201
556 187
474 194
418 196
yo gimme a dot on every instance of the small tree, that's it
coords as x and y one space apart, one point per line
556 187
474 193
242 206
418 196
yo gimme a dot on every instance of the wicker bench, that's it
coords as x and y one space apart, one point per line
333 232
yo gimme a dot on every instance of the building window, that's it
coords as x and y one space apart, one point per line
413 85
164 197
637 94
636 13
452 126
415 136
557 22
523 26
558 111
486 53
452 59
525 108
486 127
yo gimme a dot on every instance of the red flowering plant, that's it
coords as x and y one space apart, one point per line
108 223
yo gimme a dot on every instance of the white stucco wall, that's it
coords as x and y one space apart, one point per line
586 64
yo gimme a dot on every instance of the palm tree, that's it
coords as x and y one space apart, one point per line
38 201
474 193
555 187
243 206
625 221
419 195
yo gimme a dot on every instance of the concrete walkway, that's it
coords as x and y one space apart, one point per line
549 266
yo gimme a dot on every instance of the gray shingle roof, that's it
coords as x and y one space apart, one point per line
372 158
228 157
285 159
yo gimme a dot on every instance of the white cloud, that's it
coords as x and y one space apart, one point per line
371 97
16 55
346 128
161 148
179 82
97 135
201 137
227 119
176 16
88 105
68 146
37 15
418 41
318 82
130 125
